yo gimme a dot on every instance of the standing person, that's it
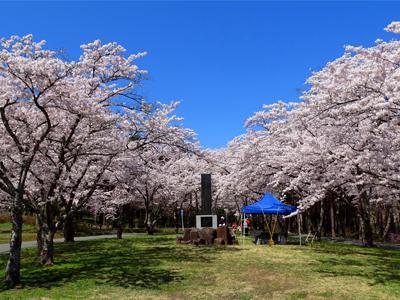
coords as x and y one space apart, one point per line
248 224
234 228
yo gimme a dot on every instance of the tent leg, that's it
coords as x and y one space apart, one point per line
243 220
271 241
299 225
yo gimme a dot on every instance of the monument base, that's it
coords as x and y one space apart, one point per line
203 221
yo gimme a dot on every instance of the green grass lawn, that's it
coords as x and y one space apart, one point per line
146 267
28 232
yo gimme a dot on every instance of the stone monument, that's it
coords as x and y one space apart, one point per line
206 219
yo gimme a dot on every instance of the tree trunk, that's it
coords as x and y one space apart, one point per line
176 220
12 276
47 254
118 223
150 229
283 224
119 232
337 216
395 215
308 222
365 221
344 221
379 219
69 231
388 220
321 220
148 221
332 217
39 241
48 231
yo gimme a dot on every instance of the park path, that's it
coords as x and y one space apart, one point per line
5 248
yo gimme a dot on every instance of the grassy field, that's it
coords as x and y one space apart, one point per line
28 233
156 267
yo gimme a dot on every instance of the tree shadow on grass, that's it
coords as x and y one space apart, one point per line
134 262
378 266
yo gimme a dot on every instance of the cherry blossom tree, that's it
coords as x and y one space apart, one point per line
31 84
45 104
148 174
338 144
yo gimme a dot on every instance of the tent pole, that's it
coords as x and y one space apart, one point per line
243 220
275 219
298 223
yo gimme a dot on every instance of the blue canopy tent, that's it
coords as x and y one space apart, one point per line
268 205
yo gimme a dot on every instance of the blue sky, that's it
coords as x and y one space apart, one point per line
223 60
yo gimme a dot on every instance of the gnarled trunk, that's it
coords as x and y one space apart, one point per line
388 220
332 216
150 229
364 220
68 229
47 254
321 220
39 240
12 276
118 223
47 235
176 220
119 232
148 222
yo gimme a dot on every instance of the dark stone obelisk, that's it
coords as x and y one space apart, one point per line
206 200
206 219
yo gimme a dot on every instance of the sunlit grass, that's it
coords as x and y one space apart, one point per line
28 233
156 267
